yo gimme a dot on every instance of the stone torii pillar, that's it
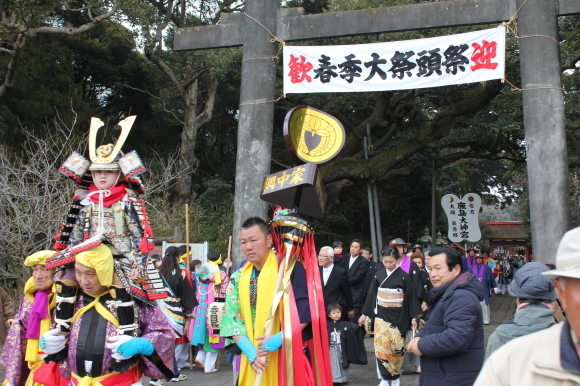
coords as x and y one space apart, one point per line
256 114
550 204
545 126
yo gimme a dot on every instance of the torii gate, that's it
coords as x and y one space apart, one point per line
542 93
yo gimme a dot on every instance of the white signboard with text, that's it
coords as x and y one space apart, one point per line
462 217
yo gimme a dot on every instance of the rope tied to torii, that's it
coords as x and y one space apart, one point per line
512 26
274 39
274 59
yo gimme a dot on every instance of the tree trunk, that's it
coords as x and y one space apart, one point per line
187 159
12 65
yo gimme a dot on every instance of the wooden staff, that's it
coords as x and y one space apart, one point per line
187 257
229 269
187 261
270 321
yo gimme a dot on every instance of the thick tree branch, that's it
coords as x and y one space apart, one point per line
19 31
196 75
352 145
12 65
378 168
76 30
206 115
168 73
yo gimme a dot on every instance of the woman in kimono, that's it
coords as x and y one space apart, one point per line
394 307
178 306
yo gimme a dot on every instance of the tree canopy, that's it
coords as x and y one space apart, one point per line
68 61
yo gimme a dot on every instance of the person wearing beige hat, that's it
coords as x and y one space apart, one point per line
550 356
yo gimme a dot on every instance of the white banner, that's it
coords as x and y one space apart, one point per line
433 62
462 217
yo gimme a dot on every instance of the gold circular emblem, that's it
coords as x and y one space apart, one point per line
105 150
77 159
312 135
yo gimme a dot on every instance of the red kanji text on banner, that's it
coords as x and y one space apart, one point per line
433 62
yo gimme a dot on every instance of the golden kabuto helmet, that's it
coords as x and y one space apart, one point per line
105 157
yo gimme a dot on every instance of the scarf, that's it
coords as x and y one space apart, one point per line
182 257
39 311
470 261
32 344
109 196
405 263
102 310
479 271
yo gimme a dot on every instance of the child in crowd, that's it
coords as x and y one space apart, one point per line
212 285
346 344
339 257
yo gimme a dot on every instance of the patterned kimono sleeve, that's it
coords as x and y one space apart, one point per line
154 327
77 235
232 322
12 356
136 234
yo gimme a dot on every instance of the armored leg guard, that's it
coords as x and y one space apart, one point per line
66 296
127 316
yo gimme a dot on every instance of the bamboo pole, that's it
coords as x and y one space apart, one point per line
229 269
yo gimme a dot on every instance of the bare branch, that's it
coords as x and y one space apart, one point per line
163 101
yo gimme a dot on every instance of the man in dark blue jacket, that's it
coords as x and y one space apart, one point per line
451 344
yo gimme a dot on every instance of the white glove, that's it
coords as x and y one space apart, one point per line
52 343
8 384
113 344
119 357
496 290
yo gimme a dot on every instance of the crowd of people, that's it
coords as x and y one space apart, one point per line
430 307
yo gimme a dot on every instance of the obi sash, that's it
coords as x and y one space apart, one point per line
127 378
389 298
